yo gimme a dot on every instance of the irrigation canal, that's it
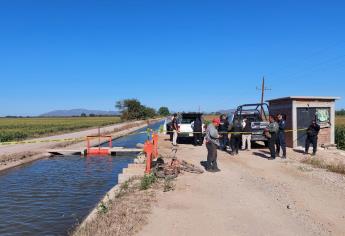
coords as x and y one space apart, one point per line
52 195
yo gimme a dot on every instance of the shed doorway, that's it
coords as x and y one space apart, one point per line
305 116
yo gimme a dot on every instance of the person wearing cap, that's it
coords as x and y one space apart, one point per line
212 144
312 133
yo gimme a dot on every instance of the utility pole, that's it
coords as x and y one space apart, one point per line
263 89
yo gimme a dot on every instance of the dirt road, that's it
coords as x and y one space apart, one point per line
250 196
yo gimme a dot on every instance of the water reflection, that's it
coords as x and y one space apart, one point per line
49 196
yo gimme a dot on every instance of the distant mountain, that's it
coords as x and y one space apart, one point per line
78 112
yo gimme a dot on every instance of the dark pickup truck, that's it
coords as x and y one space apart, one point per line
257 114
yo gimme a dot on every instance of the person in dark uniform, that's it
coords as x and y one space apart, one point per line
197 129
223 129
235 139
271 134
281 144
170 129
312 133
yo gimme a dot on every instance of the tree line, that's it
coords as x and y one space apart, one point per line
132 109
340 112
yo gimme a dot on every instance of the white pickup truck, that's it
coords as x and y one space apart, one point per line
185 123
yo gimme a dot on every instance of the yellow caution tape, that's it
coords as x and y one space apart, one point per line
285 131
54 140
143 132
42 141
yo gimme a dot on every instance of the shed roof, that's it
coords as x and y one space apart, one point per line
304 98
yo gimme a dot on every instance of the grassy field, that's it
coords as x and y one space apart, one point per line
340 121
340 132
14 129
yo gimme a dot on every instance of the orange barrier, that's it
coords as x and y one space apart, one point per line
98 150
148 149
155 144
151 151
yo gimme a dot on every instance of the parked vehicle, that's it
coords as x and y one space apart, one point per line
185 122
257 114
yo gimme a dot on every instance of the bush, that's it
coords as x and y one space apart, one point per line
147 181
132 109
340 137
163 111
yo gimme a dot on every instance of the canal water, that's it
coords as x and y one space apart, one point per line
50 196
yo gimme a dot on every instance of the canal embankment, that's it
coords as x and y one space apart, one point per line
18 154
52 195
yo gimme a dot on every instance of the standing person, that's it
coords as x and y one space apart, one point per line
223 129
271 134
212 144
174 124
246 136
169 128
281 144
312 133
235 139
197 131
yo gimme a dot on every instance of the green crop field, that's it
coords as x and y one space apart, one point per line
340 121
340 132
15 129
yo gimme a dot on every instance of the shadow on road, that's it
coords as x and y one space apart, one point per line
259 154
266 152
298 151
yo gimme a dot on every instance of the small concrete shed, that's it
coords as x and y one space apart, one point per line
300 111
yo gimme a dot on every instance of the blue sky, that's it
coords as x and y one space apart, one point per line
182 54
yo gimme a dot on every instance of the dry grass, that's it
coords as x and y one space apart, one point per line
340 120
124 215
5 159
319 163
210 117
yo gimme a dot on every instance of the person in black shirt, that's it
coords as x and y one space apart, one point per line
312 133
197 129
271 133
235 139
169 129
174 124
281 144
223 132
